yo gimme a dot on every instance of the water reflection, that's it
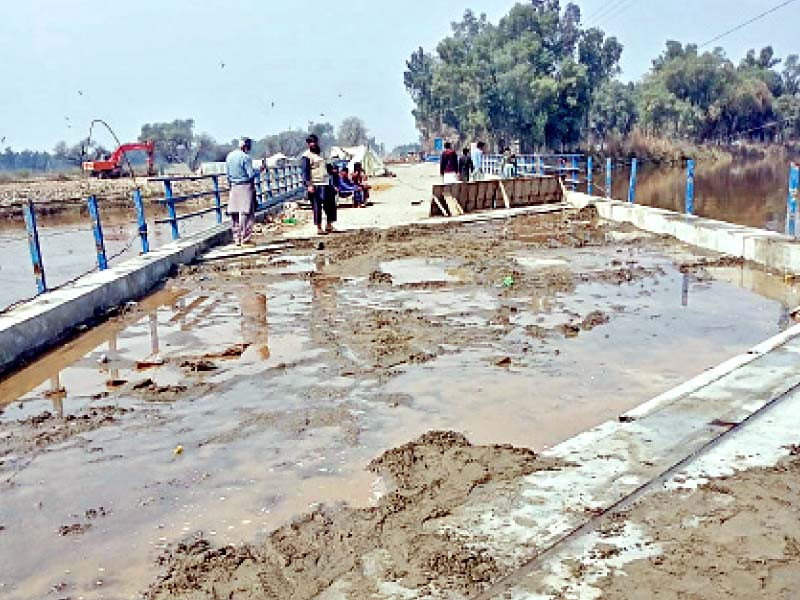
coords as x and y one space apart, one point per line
685 290
745 192
49 368
254 323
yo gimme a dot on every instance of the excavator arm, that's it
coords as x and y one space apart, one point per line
113 166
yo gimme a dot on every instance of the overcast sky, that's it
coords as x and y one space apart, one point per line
249 67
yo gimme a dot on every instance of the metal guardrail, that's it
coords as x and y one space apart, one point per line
279 184
274 186
562 165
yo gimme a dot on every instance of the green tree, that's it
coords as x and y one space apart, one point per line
173 140
613 110
352 132
791 75
530 77
787 109
291 142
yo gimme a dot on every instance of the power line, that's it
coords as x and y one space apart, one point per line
601 9
746 23
616 11
597 15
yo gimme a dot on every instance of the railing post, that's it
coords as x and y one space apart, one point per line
33 244
259 196
632 183
689 187
268 186
791 200
173 217
575 171
608 177
284 180
137 201
97 227
589 175
217 198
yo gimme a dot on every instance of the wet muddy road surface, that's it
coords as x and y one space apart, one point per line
249 392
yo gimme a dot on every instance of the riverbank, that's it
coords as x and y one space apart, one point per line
667 152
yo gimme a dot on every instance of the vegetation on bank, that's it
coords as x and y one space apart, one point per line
540 77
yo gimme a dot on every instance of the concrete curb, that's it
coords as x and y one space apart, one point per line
774 251
711 375
51 317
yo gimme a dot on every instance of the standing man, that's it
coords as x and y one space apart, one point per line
317 180
242 202
448 164
477 161
465 166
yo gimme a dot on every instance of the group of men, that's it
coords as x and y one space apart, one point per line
467 167
321 180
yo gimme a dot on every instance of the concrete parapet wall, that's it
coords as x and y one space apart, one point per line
772 250
48 319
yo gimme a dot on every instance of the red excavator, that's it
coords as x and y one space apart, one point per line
114 166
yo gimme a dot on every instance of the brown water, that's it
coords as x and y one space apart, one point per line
295 418
68 249
746 192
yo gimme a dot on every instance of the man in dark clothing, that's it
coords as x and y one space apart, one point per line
317 179
465 166
448 165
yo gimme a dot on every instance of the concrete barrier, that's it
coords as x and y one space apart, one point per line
48 319
775 251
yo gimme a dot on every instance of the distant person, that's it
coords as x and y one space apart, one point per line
360 179
509 164
448 165
465 166
242 201
348 188
317 179
477 161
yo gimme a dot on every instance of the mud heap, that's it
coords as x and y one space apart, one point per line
431 477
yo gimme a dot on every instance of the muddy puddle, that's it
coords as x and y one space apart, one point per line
251 391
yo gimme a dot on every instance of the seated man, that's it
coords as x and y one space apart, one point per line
347 187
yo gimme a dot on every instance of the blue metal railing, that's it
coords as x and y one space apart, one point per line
280 184
565 166
274 186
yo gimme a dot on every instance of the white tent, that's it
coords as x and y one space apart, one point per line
276 159
211 168
372 163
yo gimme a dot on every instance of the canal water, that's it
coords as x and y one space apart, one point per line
745 192
68 248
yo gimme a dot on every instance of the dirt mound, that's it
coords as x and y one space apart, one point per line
431 476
